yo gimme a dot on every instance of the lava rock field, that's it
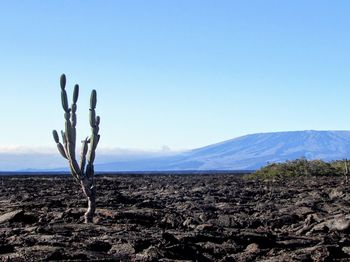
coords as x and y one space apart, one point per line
175 218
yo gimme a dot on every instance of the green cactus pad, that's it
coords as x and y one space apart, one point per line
64 100
63 81
61 150
67 115
68 131
93 99
92 117
74 120
63 137
91 158
75 94
55 136
95 130
97 121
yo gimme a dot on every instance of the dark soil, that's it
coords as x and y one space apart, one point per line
168 218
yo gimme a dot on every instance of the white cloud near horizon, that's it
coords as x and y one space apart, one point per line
19 158
18 149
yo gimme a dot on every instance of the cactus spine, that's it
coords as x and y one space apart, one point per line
83 175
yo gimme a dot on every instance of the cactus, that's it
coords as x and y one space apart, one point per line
83 172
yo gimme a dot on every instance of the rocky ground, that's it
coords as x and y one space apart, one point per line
168 218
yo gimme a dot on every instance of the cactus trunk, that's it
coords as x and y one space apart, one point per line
90 212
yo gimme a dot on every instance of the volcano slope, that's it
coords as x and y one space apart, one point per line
175 217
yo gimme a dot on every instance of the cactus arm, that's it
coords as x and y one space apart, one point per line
64 100
63 81
63 137
88 181
59 145
61 150
84 150
71 157
55 136
73 173
94 123
73 119
69 133
93 99
64 141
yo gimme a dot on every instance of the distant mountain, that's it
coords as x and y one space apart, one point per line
247 152
243 153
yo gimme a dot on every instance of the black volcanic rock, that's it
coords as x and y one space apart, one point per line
166 218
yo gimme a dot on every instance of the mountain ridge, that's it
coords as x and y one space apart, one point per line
250 152
247 152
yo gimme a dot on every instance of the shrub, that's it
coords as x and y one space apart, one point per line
301 167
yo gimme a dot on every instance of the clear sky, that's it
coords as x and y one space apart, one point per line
181 73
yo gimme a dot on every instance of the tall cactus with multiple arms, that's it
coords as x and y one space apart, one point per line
83 172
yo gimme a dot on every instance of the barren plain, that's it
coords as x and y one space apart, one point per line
175 218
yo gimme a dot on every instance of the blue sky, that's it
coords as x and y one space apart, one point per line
181 73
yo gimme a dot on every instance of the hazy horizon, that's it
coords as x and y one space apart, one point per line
52 149
240 153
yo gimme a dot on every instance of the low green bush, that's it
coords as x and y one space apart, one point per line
301 167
